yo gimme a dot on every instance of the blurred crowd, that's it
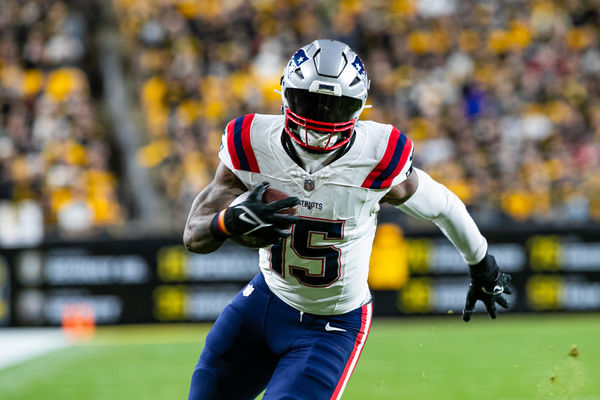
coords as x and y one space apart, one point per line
54 155
501 98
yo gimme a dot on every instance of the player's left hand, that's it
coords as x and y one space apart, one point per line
487 284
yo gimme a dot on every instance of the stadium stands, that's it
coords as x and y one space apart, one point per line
55 156
501 100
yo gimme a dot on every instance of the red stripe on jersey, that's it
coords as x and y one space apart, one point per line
385 161
408 147
247 144
231 145
365 326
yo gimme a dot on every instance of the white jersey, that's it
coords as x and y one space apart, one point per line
322 268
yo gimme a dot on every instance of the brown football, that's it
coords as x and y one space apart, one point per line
254 240
272 195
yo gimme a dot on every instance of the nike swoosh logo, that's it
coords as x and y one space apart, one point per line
244 217
497 290
330 328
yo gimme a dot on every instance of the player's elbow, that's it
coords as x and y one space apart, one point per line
195 246
198 245
188 241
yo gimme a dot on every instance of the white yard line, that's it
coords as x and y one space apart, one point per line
21 344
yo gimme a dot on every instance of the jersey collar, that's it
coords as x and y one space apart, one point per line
290 165
294 153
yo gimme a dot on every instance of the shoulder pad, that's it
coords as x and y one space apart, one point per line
396 158
236 139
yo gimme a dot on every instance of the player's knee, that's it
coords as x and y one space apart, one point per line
312 382
204 384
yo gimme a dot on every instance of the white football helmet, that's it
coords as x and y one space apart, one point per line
324 88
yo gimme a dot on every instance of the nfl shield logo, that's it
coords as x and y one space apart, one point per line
309 184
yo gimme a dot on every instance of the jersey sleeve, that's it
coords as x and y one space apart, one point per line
236 150
395 164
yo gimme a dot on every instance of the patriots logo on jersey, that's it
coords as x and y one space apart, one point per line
300 57
358 65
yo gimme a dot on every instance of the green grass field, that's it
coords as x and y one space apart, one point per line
514 357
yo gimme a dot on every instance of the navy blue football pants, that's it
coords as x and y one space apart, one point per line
259 341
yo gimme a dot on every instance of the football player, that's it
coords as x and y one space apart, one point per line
298 328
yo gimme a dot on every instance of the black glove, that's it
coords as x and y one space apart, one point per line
253 214
487 284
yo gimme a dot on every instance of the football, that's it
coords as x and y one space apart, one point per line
254 239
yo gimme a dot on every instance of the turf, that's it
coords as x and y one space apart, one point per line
515 357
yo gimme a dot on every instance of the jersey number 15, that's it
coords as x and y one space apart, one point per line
307 254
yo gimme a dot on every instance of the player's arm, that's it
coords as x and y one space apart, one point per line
224 188
423 198
212 219
403 191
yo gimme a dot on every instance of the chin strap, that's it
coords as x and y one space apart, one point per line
434 202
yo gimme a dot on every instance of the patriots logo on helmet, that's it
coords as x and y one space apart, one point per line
358 65
299 57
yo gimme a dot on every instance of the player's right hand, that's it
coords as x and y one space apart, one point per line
487 284
253 214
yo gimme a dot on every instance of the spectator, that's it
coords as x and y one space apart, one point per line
53 153
503 95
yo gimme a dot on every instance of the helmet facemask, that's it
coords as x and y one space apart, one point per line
315 135
320 121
